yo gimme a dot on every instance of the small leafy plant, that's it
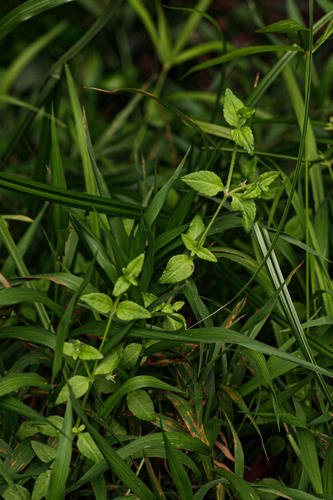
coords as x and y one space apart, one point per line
208 183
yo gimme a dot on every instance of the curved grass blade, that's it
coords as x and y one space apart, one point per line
153 479
13 381
33 334
25 11
10 296
64 279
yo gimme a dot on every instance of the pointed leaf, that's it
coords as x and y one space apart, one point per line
88 448
128 310
248 209
231 106
140 404
79 385
178 268
244 138
204 182
196 227
205 254
101 302
41 486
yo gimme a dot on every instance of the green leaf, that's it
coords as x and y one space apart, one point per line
121 285
79 385
11 494
253 191
128 310
130 355
44 452
41 486
140 404
231 107
196 228
282 27
174 322
48 429
178 268
89 352
204 182
134 268
88 448
190 243
266 179
246 113
248 209
244 138
110 363
101 302
205 254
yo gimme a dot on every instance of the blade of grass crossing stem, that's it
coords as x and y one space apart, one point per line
99 487
116 464
116 223
88 172
24 243
309 456
181 480
242 487
63 328
61 464
288 305
153 479
60 214
21 269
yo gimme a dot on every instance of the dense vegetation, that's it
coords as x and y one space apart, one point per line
165 233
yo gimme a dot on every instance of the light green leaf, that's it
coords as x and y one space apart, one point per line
190 243
101 302
28 428
11 494
110 363
245 113
140 404
44 452
79 385
130 355
134 268
244 138
148 298
196 227
121 285
266 179
249 168
174 322
178 268
41 485
205 254
128 310
89 352
48 429
204 182
231 107
253 191
248 209
88 448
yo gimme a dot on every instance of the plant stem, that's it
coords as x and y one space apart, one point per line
233 158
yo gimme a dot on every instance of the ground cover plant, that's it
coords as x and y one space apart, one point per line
165 240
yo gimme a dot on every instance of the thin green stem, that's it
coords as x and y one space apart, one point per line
233 158
204 234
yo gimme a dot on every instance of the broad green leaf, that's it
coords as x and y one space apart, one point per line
82 351
204 182
205 254
282 27
196 227
79 385
253 191
51 430
243 137
110 363
231 106
248 209
121 286
11 494
128 311
88 448
130 355
190 243
134 268
178 268
44 452
101 302
41 486
174 322
140 404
